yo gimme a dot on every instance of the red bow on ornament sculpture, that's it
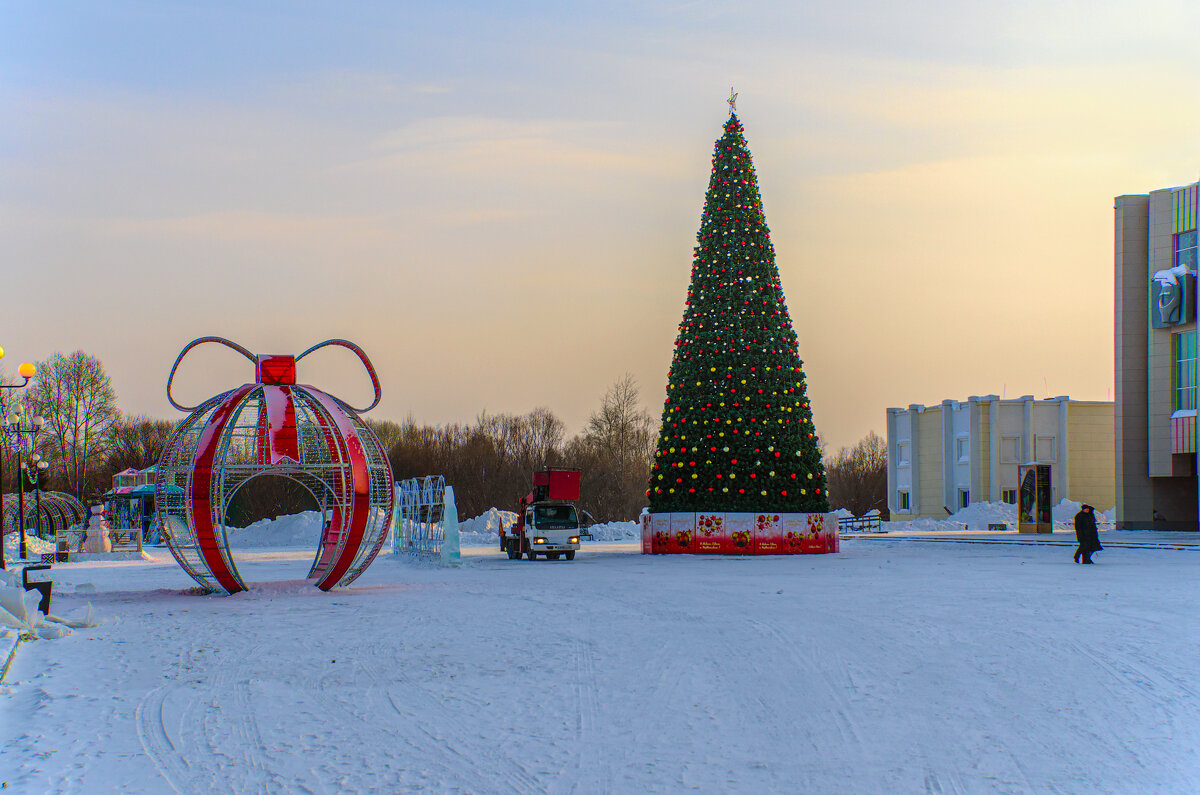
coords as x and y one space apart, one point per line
273 426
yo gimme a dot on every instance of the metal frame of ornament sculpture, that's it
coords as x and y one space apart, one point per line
273 426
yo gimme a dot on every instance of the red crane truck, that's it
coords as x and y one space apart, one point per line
547 518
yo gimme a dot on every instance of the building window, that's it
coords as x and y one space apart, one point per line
1009 496
1185 370
964 498
962 449
1010 449
1044 450
1185 249
902 501
902 454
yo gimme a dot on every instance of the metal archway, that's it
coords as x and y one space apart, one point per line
323 502
60 510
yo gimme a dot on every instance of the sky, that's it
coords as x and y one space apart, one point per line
498 202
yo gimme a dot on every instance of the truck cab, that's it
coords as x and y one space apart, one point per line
553 529
547 518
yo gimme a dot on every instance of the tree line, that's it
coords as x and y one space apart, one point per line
490 461
86 440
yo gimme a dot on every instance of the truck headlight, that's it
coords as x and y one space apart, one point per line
574 539
539 540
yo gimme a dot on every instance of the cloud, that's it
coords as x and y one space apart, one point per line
534 182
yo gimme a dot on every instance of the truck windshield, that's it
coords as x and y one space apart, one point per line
555 517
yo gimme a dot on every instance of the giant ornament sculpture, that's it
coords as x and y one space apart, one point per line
273 426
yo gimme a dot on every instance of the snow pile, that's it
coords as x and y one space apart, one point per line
1172 277
487 524
34 546
19 611
484 530
978 515
293 530
616 531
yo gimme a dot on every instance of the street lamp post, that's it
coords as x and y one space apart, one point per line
32 467
26 371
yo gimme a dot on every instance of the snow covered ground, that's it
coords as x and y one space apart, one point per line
894 666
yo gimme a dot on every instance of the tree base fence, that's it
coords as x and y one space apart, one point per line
861 524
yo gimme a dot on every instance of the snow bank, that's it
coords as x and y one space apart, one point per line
19 611
293 530
978 515
304 530
34 546
616 531
484 530
487 524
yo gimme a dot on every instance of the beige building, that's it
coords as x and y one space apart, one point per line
942 458
1155 351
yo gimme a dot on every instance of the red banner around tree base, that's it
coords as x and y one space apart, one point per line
713 533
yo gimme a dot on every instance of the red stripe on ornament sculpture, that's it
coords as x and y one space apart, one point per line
273 426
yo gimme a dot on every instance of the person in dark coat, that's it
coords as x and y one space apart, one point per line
1085 534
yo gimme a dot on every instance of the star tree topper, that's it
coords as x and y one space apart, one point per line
732 99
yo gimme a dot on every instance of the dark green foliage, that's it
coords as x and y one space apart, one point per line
737 431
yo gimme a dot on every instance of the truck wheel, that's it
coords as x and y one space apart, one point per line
532 554
552 555
513 553
570 555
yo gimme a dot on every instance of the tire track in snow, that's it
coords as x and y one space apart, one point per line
428 747
475 749
156 741
666 691
593 772
1160 693
233 679
934 786
1128 668
834 690
369 712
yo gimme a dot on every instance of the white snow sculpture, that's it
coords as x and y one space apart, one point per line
97 532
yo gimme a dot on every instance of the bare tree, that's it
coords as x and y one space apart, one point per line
136 442
388 431
490 463
857 476
76 397
614 453
622 430
544 433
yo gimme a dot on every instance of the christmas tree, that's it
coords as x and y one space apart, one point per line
737 431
